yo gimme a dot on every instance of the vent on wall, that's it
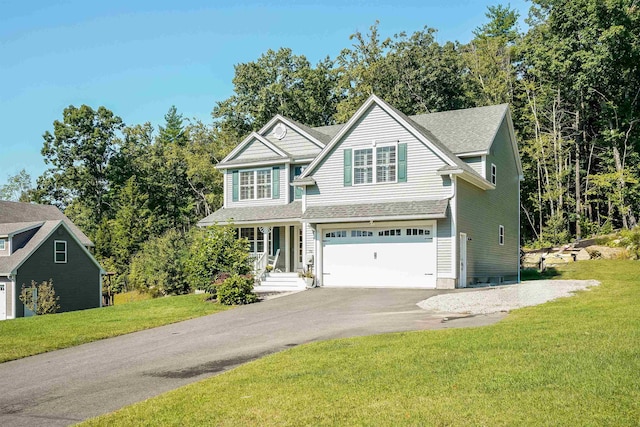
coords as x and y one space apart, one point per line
280 131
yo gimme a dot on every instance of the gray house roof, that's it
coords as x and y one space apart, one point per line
291 211
464 131
17 212
414 209
9 264
11 228
461 131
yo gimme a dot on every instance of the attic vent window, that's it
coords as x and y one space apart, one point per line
280 131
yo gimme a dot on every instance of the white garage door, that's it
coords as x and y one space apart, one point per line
401 257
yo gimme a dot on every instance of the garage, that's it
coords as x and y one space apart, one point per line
394 256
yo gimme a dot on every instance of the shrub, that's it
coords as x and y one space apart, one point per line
216 250
46 301
236 290
159 267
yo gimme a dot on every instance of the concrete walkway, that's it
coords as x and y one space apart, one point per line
67 386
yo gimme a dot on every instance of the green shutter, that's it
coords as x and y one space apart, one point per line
235 179
402 162
347 167
275 183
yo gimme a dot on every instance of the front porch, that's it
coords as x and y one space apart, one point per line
279 246
277 256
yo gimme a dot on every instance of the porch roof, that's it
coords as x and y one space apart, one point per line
273 213
413 209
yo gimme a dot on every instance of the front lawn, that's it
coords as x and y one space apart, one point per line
573 361
28 336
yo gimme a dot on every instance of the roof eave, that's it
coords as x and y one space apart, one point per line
373 218
253 164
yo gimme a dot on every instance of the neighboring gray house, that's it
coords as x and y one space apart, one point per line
39 242
384 200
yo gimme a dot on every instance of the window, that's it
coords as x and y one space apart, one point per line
363 166
386 164
361 233
246 185
297 171
2 244
339 233
418 232
392 232
255 184
501 235
263 184
493 174
60 251
255 238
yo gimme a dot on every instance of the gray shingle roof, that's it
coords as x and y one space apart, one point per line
12 228
9 263
461 131
413 208
12 212
464 131
291 211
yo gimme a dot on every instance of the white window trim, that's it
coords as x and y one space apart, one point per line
255 184
494 174
501 235
56 251
374 165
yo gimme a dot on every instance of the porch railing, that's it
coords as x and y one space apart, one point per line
260 265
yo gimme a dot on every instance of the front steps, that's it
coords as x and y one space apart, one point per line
280 282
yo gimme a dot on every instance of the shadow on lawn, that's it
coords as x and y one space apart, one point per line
533 274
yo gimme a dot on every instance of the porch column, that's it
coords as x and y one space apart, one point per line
287 248
265 235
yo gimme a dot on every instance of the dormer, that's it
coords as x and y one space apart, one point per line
13 236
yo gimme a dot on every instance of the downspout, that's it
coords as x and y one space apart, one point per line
454 229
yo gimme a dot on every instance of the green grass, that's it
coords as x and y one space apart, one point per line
28 336
573 361
131 296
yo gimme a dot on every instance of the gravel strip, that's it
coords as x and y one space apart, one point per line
506 297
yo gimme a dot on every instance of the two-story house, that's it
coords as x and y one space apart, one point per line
384 200
38 243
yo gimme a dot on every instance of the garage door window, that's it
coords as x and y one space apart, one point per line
418 232
361 233
390 232
338 233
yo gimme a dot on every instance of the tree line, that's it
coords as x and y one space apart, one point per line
572 81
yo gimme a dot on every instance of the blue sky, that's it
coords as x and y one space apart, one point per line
138 58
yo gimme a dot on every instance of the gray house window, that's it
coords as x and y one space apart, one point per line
501 235
363 166
2 244
60 251
493 174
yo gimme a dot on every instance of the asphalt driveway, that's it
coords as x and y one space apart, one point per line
67 386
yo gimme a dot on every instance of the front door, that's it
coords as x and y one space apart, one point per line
462 282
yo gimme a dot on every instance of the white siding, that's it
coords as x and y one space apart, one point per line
422 164
309 244
283 200
476 164
255 150
293 143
